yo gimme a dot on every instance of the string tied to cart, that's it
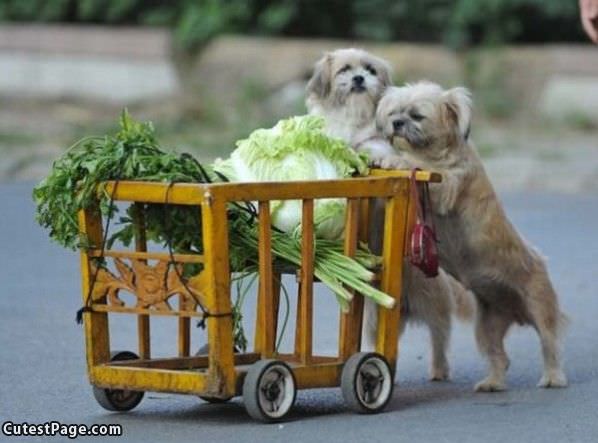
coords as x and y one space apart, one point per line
205 312
87 307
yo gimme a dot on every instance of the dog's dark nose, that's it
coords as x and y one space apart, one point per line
398 124
358 80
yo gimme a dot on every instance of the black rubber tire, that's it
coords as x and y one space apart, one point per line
118 400
257 389
355 386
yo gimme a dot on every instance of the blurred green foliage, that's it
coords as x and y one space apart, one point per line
457 23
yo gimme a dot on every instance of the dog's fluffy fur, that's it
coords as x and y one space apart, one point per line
349 112
477 243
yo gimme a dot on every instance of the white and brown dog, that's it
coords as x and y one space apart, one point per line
478 245
345 89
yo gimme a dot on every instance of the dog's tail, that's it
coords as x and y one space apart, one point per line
464 300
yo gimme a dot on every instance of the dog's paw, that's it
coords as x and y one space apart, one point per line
375 162
490 384
439 372
393 162
553 379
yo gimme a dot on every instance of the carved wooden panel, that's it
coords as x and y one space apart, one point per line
153 286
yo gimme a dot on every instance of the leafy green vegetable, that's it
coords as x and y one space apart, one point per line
133 153
296 149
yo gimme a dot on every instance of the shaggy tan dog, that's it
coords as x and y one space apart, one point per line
345 89
477 243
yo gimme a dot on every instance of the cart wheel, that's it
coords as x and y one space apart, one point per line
367 382
269 390
118 399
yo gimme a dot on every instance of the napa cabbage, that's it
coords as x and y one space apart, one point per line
296 149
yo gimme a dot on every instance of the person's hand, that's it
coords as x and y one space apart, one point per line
589 18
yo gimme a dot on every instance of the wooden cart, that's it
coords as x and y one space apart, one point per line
267 380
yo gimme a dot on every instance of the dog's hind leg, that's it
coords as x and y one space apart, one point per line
439 335
434 305
370 325
542 306
430 300
491 328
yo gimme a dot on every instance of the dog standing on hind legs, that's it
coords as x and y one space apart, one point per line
477 243
345 89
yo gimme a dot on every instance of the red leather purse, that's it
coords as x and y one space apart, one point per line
423 250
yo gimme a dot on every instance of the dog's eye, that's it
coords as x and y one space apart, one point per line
371 69
416 116
344 69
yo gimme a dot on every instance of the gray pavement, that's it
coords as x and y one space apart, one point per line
43 378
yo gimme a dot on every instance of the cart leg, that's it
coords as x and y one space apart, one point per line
221 371
97 339
395 227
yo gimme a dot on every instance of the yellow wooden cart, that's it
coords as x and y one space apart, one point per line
267 380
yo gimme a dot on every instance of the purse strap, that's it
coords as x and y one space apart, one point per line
422 202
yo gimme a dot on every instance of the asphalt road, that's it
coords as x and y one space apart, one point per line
43 378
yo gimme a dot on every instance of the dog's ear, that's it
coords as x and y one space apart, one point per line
383 109
319 83
459 105
384 72
380 116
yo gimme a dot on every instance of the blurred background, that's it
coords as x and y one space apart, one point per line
208 72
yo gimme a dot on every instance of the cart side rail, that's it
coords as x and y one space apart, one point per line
380 183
